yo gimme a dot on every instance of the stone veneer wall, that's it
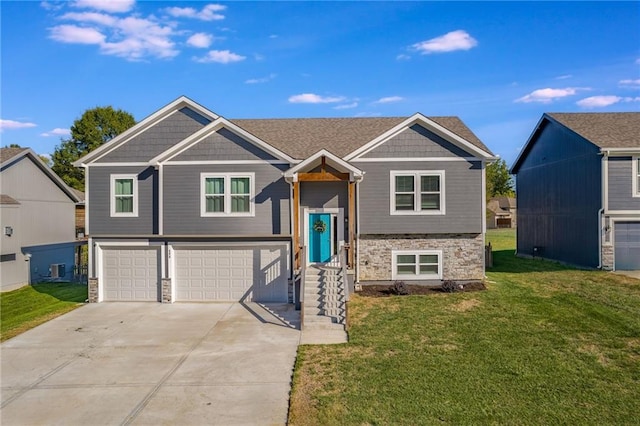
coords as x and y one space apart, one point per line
463 254
166 290
93 290
607 257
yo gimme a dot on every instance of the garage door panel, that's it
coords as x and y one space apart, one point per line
231 275
131 274
627 245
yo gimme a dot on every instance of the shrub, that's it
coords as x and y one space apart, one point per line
451 286
399 288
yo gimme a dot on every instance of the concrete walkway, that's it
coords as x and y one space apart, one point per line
153 364
632 274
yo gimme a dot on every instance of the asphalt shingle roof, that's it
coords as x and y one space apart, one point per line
302 137
7 153
604 129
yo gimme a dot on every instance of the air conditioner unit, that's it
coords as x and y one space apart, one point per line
58 270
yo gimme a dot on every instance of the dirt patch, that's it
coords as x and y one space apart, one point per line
465 305
383 290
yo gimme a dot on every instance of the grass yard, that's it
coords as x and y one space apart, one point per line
544 344
30 306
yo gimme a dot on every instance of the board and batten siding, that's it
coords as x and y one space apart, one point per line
621 175
416 141
182 198
100 220
158 138
463 199
558 194
325 195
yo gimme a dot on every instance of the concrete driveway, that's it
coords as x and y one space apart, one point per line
152 364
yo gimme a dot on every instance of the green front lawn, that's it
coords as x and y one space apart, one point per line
30 306
544 344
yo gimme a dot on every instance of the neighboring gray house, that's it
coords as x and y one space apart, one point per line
578 180
37 221
188 205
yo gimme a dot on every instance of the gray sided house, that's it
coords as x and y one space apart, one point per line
37 221
190 206
578 190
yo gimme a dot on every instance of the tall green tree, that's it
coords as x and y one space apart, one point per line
95 127
499 181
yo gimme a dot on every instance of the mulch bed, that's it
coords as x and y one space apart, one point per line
384 291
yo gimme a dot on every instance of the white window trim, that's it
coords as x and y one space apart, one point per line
635 167
112 199
417 253
227 194
416 203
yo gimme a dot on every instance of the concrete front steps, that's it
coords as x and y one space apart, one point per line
324 309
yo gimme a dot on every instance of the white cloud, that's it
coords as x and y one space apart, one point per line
273 36
261 80
630 83
112 6
91 17
208 13
312 98
548 95
76 35
452 41
346 106
604 101
389 99
131 37
13 125
220 56
202 40
56 132
403 57
564 77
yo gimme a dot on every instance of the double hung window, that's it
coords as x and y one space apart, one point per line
124 195
228 194
417 192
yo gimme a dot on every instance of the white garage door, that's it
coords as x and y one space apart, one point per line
256 274
627 246
131 274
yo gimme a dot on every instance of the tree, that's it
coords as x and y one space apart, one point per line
499 181
95 127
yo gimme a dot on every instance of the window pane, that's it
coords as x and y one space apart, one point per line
239 203
429 258
430 202
124 186
124 204
215 204
404 183
406 270
430 183
428 269
404 201
239 185
406 258
214 186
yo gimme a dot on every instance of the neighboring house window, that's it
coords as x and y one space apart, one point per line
124 195
227 194
417 192
636 176
413 265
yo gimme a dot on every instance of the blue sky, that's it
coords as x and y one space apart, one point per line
496 65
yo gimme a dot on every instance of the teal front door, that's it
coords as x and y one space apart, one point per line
319 237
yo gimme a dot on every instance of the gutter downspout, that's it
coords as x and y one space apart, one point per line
603 201
357 245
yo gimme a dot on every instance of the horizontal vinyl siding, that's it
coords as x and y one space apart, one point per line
463 200
182 202
99 207
621 184
158 138
558 192
416 141
223 145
